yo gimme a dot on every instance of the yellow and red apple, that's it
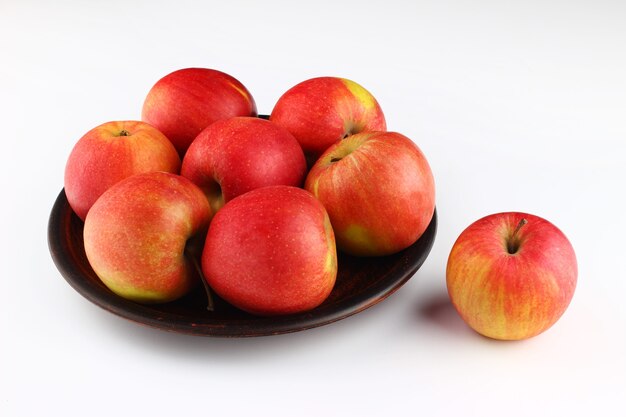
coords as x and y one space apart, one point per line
140 234
379 192
511 275
321 111
184 102
110 153
237 155
271 251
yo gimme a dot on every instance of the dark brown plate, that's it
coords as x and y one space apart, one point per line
361 283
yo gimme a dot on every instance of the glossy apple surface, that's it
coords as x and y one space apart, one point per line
511 275
321 111
140 234
184 102
110 153
237 155
271 251
378 190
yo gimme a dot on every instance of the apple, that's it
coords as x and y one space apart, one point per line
378 190
110 153
184 102
321 111
511 275
236 155
271 251
141 235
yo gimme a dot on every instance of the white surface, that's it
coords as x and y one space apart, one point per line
518 106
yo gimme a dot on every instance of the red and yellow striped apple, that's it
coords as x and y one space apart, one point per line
184 102
110 153
378 190
321 111
511 275
237 155
141 234
271 251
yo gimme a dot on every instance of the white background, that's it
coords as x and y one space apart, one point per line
518 106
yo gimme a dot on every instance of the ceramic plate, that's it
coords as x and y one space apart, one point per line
361 283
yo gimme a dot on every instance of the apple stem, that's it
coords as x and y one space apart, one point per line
513 243
519 226
124 132
207 289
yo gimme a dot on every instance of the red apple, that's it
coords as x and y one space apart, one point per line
511 275
237 155
110 153
324 110
184 102
378 190
271 251
140 236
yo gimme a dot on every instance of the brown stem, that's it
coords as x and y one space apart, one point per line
519 226
124 132
207 289
512 244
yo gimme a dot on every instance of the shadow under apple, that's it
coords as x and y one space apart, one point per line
437 310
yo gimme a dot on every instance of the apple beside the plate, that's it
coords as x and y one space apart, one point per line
511 275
